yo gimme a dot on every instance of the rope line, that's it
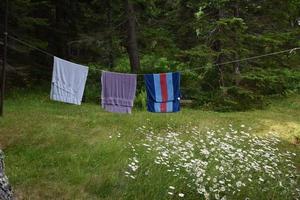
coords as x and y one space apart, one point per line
220 64
31 46
260 56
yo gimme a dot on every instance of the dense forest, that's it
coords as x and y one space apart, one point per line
138 36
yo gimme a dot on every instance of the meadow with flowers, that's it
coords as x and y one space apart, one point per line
58 151
222 163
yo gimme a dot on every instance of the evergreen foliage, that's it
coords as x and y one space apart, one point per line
171 35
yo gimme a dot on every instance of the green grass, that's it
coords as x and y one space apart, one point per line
59 151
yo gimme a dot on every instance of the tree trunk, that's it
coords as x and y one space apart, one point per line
237 71
218 47
65 25
59 26
132 47
110 39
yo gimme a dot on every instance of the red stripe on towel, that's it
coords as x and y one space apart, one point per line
164 89
163 107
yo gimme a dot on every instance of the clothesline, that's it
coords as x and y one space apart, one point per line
141 74
118 90
31 46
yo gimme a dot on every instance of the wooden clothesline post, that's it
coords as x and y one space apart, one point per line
4 61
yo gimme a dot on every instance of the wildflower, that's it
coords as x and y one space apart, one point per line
239 184
132 177
206 195
172 187
170 193
157 162
260 179
181 195
223 198
221 169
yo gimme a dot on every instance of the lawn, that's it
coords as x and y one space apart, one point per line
60 151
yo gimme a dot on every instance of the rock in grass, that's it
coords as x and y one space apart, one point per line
5 188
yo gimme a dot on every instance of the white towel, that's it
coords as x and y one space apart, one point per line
68 81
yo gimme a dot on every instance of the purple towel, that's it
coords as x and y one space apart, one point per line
118 92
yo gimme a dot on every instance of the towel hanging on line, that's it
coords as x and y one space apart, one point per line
68 81
118 91
163 92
